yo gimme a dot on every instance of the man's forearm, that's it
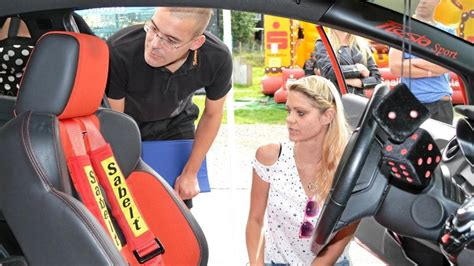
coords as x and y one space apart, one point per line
117 104
409 72
206 132
428 66
419 68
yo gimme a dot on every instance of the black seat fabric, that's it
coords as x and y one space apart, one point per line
354 105
7 104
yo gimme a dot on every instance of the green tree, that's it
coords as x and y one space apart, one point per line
243 28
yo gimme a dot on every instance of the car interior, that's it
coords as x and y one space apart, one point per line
423 216
48 194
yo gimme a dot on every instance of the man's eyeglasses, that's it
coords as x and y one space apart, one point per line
151 28
311 210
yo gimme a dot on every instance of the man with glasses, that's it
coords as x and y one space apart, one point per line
155 70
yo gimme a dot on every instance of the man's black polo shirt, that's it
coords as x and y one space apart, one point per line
157 96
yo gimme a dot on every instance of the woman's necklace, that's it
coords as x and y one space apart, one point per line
311 186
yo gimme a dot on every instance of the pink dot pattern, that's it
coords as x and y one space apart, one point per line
392 115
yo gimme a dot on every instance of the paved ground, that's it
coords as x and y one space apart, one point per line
222 213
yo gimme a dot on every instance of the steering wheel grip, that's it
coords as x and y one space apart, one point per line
348 172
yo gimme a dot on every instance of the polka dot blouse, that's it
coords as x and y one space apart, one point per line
285 211
13 59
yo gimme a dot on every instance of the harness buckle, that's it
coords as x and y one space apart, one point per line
158 251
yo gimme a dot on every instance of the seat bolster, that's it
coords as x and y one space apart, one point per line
7 104
47 149
122 132
145 168
167 214
354 106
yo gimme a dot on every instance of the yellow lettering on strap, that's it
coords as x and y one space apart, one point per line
123 196
99 199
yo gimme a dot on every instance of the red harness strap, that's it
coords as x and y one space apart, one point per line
83 176
146 248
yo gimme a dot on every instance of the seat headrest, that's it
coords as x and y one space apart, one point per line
65 76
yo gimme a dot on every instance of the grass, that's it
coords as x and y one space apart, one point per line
250 105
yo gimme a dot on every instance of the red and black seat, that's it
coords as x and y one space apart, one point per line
65 79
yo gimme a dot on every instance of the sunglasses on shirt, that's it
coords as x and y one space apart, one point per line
311 210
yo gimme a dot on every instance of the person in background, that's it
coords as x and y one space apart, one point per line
355 58
155 70
310 65
291 180
16 45
427 81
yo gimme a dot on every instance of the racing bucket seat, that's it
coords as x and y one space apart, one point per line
49 215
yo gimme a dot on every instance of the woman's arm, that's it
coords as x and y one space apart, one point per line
323 62
334 249
254 232
374 77
266 155
373 68
356 82
325 66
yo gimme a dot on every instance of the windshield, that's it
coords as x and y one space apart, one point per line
457 15
106 21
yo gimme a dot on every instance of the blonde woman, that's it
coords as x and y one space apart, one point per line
291 180
357 64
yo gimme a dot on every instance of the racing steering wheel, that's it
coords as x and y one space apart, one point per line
347 173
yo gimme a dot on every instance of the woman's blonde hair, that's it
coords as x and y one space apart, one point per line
360 43
324 95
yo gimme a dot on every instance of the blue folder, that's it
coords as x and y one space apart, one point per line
168 157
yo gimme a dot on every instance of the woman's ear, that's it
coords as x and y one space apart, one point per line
328 116
198 42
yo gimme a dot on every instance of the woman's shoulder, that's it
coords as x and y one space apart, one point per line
268 154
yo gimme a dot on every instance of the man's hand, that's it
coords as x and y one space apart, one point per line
186 186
